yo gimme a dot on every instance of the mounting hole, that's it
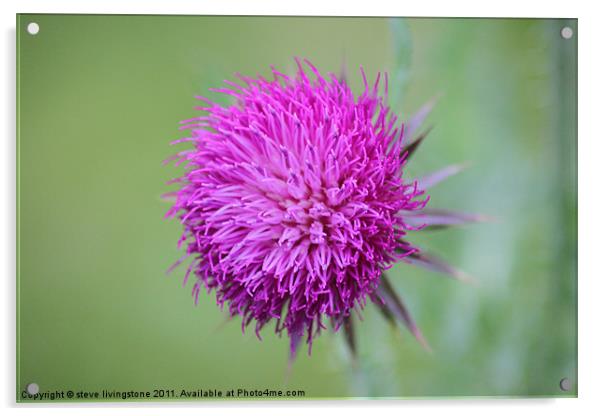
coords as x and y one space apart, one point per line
565 384
33 28
566 32
33 388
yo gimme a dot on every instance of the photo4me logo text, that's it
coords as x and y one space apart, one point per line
238 393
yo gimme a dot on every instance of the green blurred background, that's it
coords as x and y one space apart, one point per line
99 100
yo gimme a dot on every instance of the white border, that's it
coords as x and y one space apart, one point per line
461 8
590 209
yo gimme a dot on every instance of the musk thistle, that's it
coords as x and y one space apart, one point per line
294 202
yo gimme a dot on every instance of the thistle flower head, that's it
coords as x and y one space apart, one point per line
294 199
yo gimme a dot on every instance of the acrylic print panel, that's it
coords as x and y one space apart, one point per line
304 211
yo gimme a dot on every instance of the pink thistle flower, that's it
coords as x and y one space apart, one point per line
294 202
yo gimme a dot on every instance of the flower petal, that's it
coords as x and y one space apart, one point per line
395 306
415 122
295 339
411 147
384 309
429 180
350 335
439 218
435 264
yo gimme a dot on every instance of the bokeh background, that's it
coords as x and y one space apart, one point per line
99 100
